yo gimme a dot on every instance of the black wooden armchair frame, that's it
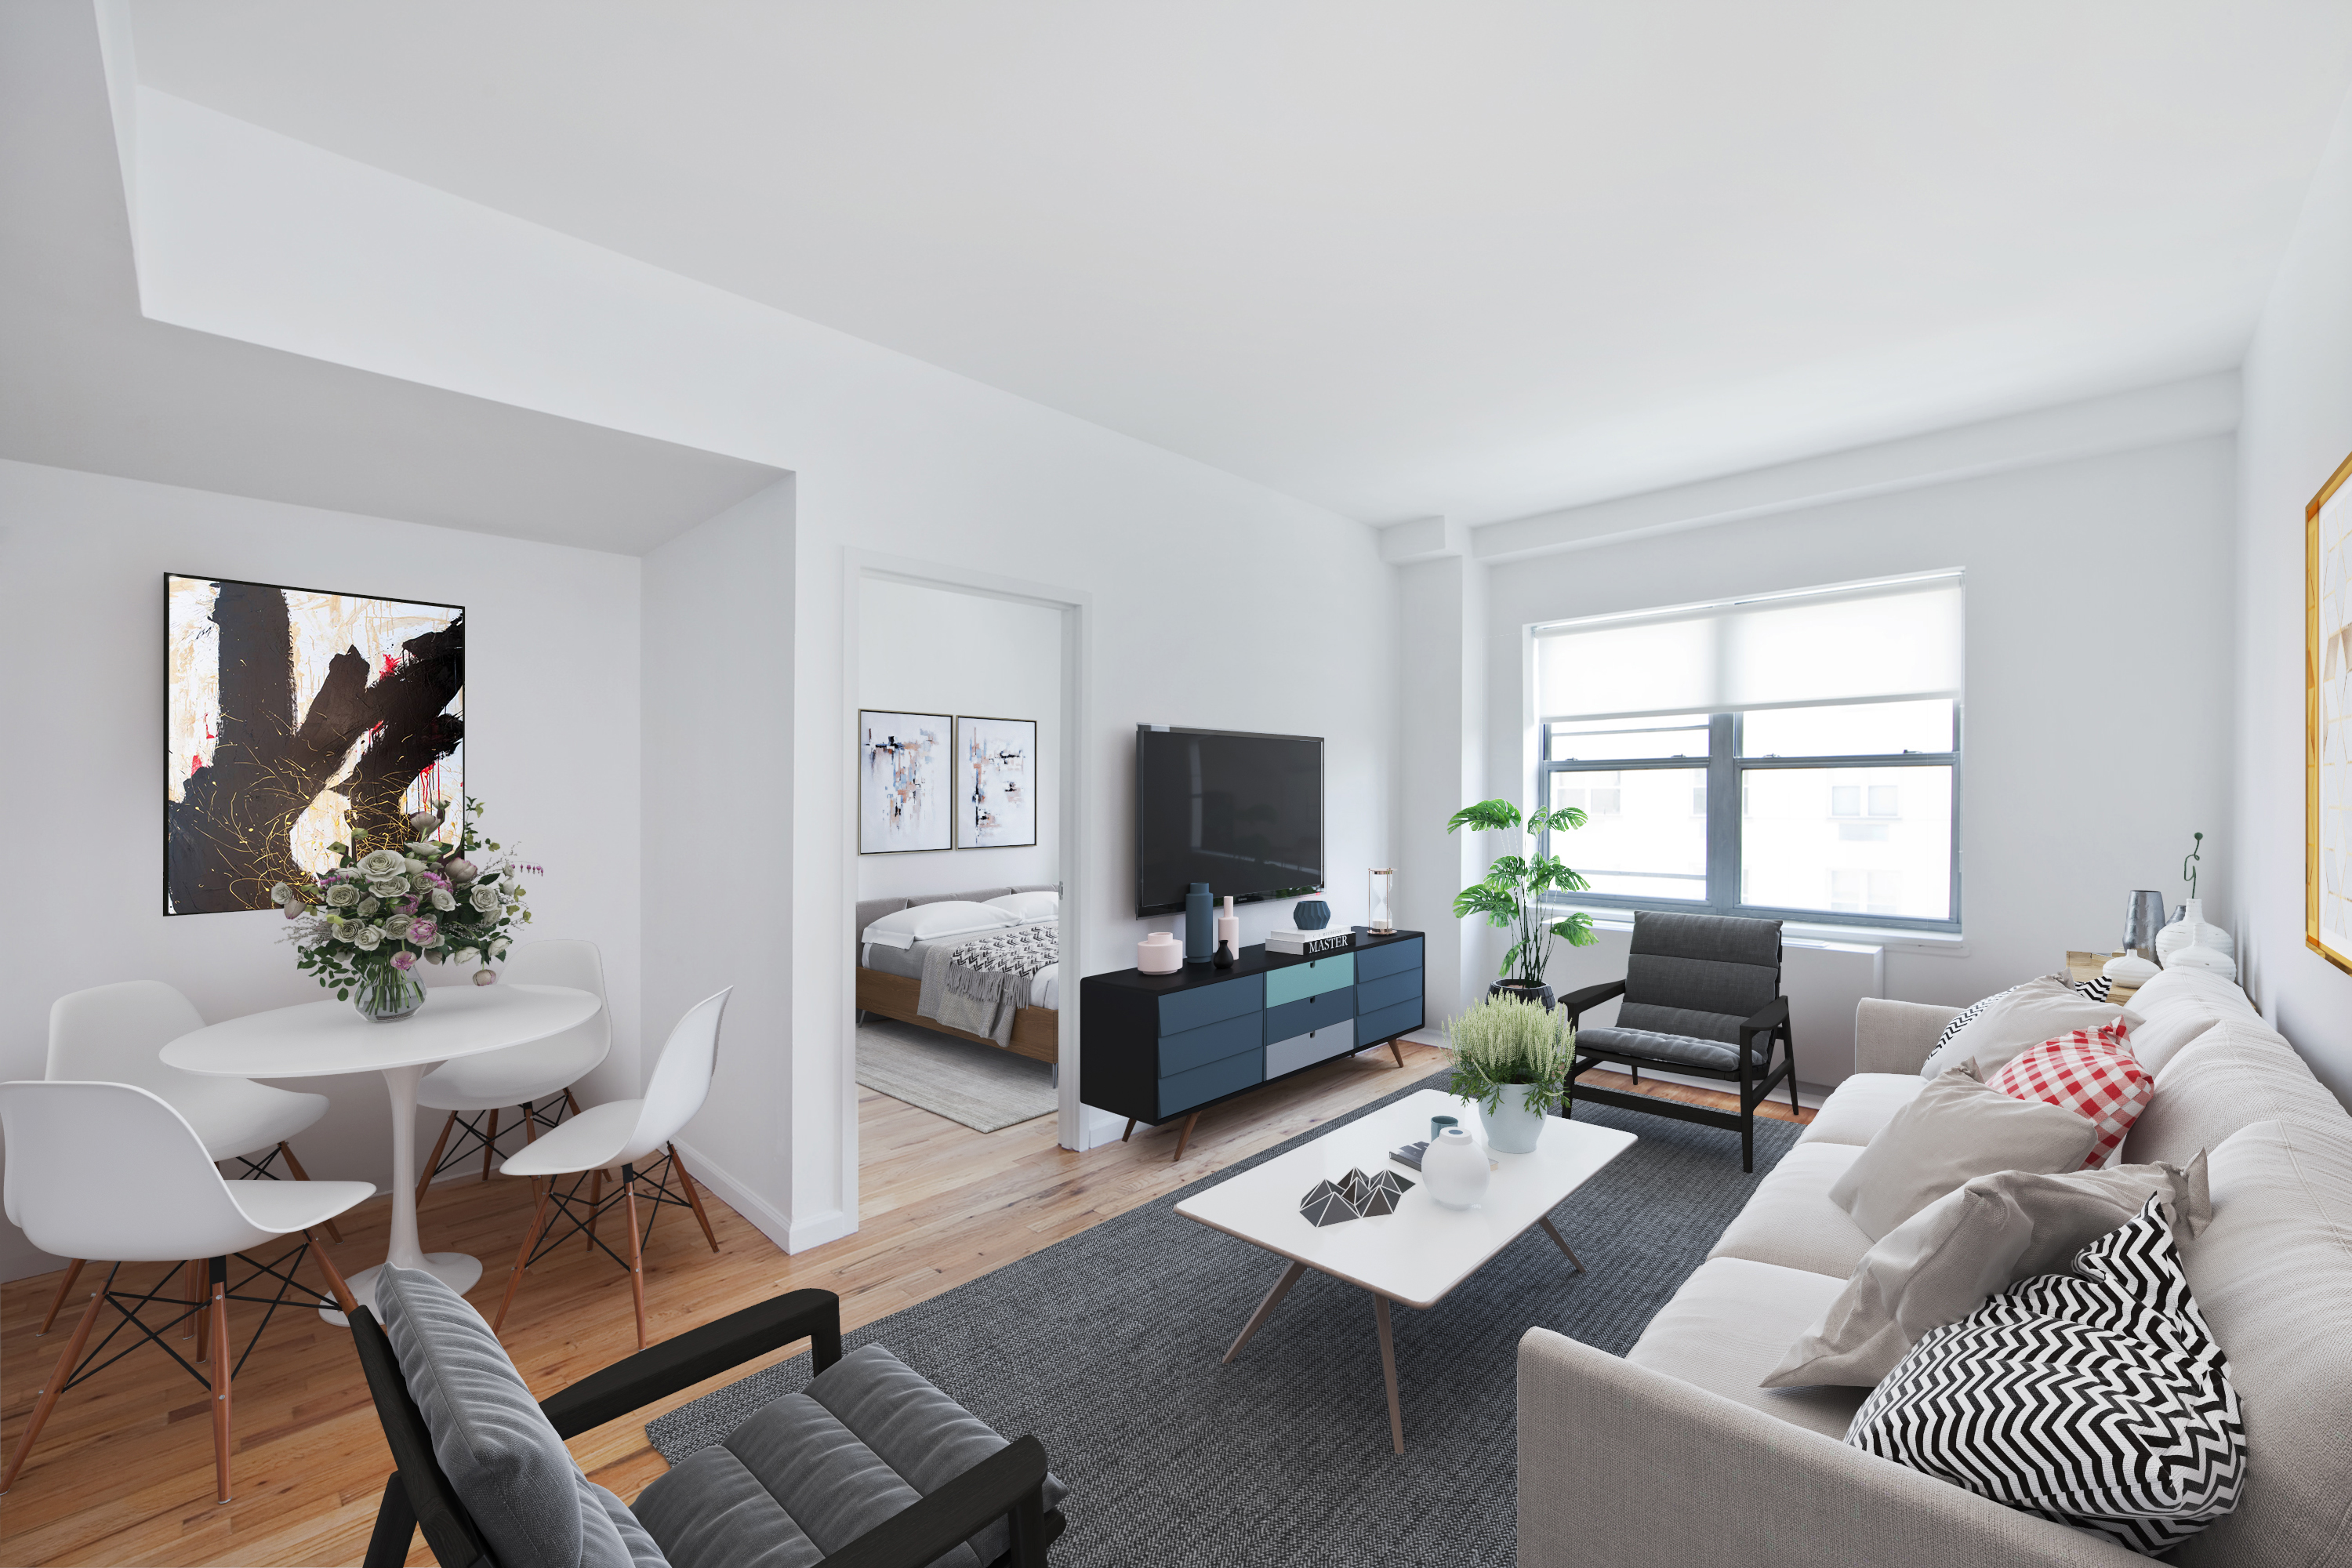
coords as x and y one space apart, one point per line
1757 1080
1008 1484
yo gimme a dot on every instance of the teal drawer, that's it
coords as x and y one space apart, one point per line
1389 958
1373 1027
1196 1047
1197 1005
1371 996
1293 1019
1203 1084
1312 978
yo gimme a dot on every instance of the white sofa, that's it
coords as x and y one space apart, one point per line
1672 1455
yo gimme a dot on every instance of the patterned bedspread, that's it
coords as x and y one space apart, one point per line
980 984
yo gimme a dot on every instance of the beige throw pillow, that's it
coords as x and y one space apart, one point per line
1951 1131
1942 1262
2019 1019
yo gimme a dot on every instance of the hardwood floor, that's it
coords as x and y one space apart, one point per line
123 1472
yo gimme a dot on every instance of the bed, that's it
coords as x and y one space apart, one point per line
890 980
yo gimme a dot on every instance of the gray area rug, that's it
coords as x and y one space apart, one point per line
982 1087
1107 1346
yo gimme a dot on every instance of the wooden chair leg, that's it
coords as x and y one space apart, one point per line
530 1240
490 1143
300 1174
219 1296
595 1199
637 1254
694 1197
572 1102
73 1272
342 1292
433 1161
57 1385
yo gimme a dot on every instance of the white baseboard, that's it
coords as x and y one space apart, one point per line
766 1218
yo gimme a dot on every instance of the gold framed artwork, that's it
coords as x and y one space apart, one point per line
2328 721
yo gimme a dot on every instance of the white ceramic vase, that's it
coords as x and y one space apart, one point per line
2192 930
2206 958
1514 1129
1160 953
1454 1168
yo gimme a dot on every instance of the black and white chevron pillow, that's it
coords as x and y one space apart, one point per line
2098 1399
2096 990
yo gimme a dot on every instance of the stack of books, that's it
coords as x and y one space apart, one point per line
1288 939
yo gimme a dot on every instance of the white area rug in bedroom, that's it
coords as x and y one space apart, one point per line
982 1087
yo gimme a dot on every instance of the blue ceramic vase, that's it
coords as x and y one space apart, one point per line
1311 914
1199 925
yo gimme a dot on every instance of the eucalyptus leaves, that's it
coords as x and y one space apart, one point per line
1511 896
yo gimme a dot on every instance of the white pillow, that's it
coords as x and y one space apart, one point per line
1028 907
2009 1025
929 922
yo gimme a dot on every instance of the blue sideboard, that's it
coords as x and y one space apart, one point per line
1156 1046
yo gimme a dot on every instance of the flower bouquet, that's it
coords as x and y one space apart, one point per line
363 926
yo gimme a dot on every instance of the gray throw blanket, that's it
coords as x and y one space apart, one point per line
980 984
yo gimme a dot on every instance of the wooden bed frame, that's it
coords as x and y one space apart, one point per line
1036 1031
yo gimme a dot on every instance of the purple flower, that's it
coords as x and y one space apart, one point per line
422 932
404 961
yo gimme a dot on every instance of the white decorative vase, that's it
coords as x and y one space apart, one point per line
2128 969
1454 1168
1516 1127
2192 930
2205 958
1160 953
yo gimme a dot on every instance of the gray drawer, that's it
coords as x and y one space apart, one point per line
1387 992
1315 1012
1203 1084
1402 1018
1389 958
1306 1050
1196 1047
1197 1005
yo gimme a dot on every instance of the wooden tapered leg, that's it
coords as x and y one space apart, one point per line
1553 1231
218 1293
1186 1136
595 1199
636 1254
572 1102
1130 1130
57 1385
73 1272
1388 1370
1265 1308
1397 1051
342 1292
530 1240
433 1161
694 1197
300 1174
490 1144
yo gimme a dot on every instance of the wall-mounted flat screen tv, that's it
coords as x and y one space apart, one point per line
1242 813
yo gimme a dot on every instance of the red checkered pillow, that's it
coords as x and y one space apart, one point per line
2091 1072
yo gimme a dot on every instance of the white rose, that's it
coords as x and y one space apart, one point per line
465 957
343 895
370 906
379 863
396 927
485 900
413 865
279 892
499 948
389 886
444 899
367 939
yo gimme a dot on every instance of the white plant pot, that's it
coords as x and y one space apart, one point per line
1455 1170
2193 930
1516 1127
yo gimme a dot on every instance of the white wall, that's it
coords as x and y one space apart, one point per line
930 650
2297 428
551 676
2099 629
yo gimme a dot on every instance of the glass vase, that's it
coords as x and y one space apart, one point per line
386 995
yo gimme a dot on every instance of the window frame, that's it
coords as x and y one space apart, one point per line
1725 819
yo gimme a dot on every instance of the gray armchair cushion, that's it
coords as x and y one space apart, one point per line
1700 976
1667 1050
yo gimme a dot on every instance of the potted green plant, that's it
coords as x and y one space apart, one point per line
1511 1055
1511 895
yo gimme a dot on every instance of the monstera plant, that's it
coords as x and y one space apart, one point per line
1511 895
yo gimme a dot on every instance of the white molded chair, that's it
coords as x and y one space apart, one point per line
522 1075
113 1171
625 1132
116 1033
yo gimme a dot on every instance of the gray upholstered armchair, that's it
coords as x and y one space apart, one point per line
1702 995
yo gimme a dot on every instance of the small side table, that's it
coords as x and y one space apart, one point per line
2080 966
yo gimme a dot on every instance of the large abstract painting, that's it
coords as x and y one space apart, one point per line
294 719
903 780
2328 721
996 805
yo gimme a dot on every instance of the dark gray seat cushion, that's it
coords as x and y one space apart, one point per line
807 1474
1666 1050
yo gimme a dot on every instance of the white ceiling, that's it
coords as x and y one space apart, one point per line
1475 259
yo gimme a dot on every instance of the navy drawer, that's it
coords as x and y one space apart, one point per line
1390 958
1402 1018
1196 1047
1198 1005
1203 1084
1311 1014
1387 992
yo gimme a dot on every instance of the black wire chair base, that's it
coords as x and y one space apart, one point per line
256 1170
581 1215
281 1268
472 1134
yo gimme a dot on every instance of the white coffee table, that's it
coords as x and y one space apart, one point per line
1420 1253
321 1039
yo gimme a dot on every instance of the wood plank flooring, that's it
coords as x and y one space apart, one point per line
123 1474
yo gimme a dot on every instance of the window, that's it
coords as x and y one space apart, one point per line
1831 804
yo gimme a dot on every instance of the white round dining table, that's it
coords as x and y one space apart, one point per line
321 1039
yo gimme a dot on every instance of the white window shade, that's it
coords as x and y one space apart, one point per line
1860 642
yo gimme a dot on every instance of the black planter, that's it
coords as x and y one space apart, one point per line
1524 992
